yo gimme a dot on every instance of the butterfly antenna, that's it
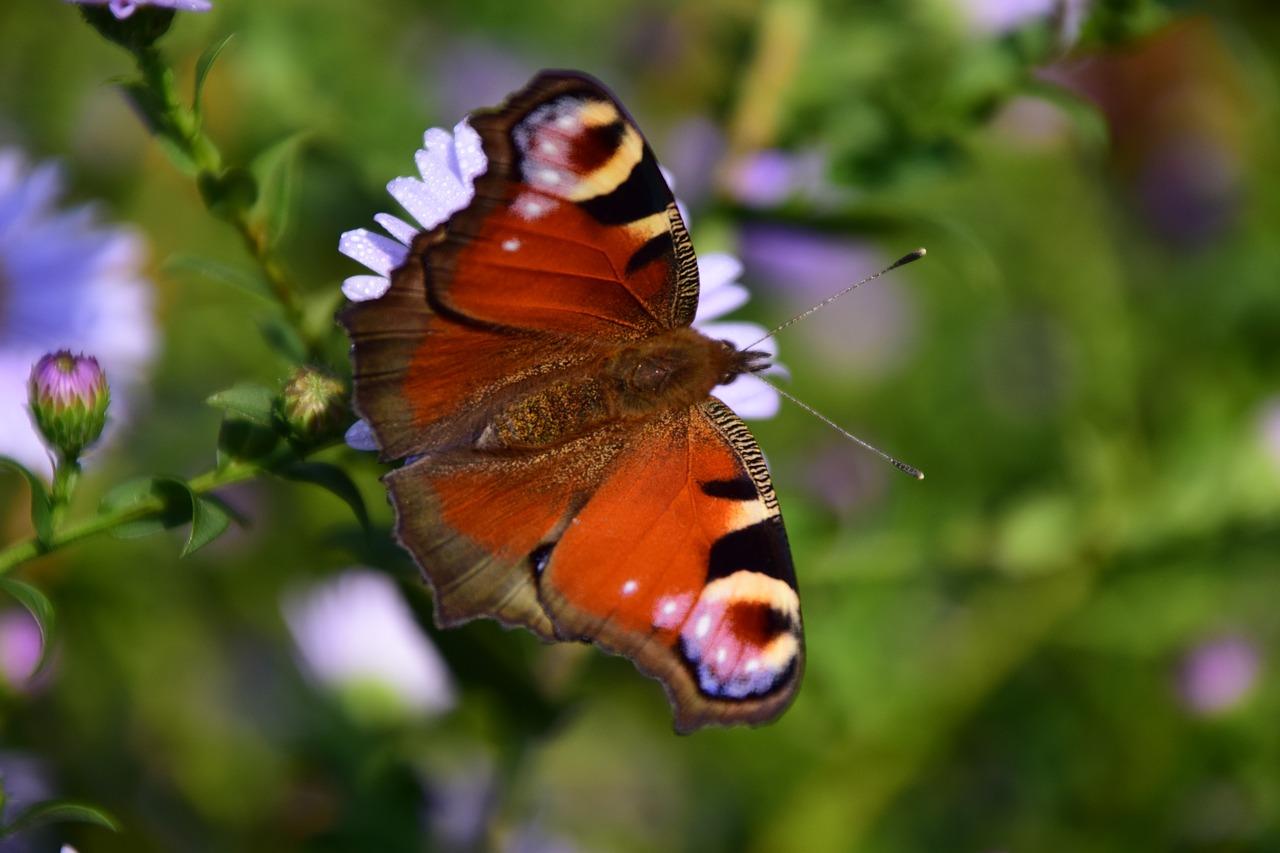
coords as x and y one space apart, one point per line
905 259
901 466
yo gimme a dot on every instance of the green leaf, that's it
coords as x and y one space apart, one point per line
174 502
283 338
203 66
57 811
41 516
274 169
332 479
208 521
244 441
254 403
41 610
238 277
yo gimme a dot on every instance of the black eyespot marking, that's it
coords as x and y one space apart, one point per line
740 488
753 548
634 199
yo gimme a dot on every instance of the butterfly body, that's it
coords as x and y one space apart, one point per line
570 469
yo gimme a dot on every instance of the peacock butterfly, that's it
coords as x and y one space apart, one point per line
568 468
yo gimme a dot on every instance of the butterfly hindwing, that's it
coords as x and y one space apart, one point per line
679 561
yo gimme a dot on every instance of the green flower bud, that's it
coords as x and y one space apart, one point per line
313 405
68 398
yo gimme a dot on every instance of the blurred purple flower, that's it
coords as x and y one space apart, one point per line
65 281
870 329
1269 429
995 17
124 8
770 177
1217 675
354 631
20 645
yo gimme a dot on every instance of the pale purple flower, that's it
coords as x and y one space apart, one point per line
449 165
1219 674
769 177
355 631
124 8
1269 431
870 329
994 17
66 282
20 646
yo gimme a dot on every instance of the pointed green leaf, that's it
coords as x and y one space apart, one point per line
57 811
238 277
41 610
240 440
274 169
41 517
283 338
203 66
208 522
332 479
255 403
171 503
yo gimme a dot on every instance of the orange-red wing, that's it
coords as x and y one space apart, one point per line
679 561
573 230
427 382
480 524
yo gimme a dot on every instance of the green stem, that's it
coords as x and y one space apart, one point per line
185 129
235 472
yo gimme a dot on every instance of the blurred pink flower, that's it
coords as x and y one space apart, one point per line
1269 429
1217 675
355 631
870 329
20 645
994 17
124 8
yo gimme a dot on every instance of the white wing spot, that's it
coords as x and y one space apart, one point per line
629 587
550 177
668 608
510 244
703 627
752 665
548 147
721 654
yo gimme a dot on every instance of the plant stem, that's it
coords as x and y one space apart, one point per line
235 472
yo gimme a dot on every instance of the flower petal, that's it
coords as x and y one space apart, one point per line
749 397
362 288
373 250
360 437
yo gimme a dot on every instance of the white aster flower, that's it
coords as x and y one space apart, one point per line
124 8
66 282
355 631
449 165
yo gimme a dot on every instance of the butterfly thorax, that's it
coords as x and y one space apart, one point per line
670 371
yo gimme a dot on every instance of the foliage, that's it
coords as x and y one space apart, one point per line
1022 652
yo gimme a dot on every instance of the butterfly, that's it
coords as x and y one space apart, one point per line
568 468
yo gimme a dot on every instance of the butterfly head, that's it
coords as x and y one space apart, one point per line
743 361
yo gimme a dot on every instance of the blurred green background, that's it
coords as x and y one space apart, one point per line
1063 639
